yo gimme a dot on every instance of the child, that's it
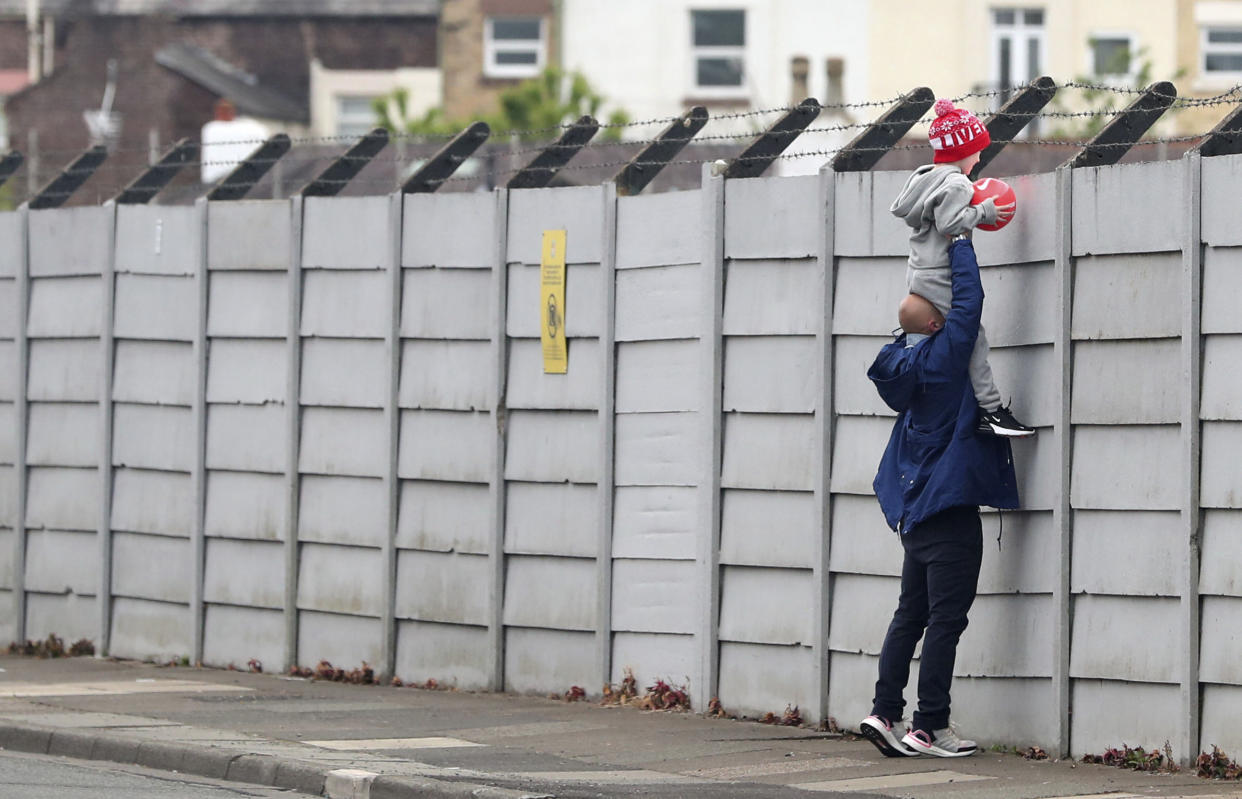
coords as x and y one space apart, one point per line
936 203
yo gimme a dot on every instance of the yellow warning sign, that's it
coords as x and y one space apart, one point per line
552 303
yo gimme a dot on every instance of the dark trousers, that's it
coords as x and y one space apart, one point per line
938 581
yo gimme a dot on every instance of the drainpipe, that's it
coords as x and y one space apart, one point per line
558 32
48 45
34 63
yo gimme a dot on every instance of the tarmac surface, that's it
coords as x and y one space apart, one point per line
373 742
45 777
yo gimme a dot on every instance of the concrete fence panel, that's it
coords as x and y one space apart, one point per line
327 422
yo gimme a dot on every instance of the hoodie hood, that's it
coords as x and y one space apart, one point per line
893 373
921 186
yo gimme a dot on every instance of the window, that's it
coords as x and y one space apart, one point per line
1111 55
513 47
1017 45
355 115
719 44
1221 50
1017 53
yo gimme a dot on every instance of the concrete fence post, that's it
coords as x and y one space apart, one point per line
392 419
825 418
1062 432
21 415
198 469
1191 434
107 353
293 429
711 436
607 432
496 486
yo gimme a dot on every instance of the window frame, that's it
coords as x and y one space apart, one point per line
338 112
1017 33
698 52
492 46
1131 43
1206 49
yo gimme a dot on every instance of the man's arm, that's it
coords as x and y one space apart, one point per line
956 342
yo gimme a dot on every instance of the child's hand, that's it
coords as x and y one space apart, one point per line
1005 212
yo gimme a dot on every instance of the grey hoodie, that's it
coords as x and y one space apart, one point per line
935 202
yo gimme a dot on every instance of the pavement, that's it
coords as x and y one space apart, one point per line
371 742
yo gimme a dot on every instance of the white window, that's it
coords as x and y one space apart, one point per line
1112 55
718 40
513 47
355 115
1017 46
1017 53
1221 49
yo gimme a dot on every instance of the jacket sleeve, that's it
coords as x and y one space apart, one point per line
952 347
955 214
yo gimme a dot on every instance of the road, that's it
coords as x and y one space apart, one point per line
27 776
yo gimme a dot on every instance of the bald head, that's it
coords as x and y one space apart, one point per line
917 315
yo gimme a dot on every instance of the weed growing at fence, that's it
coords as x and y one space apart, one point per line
792 717
1137 759
830 724
625 691
52 647
663 696
363 675
715 710
1217 766
430 684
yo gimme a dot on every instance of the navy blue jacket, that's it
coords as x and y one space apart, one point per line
934 459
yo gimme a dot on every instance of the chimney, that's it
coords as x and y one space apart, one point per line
225 111
799 71
835 94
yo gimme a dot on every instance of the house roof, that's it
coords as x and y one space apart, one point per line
232 8
229 81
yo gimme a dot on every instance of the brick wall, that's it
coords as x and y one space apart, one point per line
468 93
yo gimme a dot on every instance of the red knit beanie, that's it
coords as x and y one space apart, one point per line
956 133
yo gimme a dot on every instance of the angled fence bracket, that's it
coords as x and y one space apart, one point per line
1226 137
543 167
441 166
241 180
346 168
9 165
71 178
1013 116
158 175
773 141
643 168
869 147
1125 129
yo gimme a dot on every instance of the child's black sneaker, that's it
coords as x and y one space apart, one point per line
1000 422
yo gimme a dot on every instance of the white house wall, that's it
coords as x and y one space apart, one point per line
638 55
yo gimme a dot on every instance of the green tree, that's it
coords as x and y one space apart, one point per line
548 100
1103 103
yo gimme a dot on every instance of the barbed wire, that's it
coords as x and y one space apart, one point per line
404 162
486 176
1232 95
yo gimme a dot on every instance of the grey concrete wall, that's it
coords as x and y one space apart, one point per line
320 429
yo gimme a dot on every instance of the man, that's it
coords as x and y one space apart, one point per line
934 475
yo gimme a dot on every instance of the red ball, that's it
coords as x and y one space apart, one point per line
1001 194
